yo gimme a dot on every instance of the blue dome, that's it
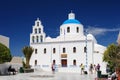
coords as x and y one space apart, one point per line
71 21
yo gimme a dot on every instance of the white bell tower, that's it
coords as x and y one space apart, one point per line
37 35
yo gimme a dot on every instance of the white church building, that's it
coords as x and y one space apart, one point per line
71 48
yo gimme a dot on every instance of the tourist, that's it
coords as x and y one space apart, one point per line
98 67
107 68
91 68
82 68
95 68
53 67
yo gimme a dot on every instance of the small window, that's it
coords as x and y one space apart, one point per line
35 30
85 49
44 50
77 30
54 61
68 29
37 39
74 62
39 30
41 38
37 23
54 51
64 50
35 51
74 49
33 39
35 62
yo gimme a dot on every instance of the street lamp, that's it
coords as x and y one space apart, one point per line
86 49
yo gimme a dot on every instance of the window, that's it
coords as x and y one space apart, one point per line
64 50
74 49
54 61
33 39
35 51
85 49
74 62
77 30
41 38
37 23
44 50
35 62
68 29
61 31
39 30
37 39
35 30
54 51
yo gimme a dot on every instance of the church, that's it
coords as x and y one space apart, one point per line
68 50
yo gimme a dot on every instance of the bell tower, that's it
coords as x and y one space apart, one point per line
37 35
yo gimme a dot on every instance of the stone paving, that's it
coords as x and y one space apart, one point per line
48 76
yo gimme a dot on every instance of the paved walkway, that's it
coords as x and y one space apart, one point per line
48 76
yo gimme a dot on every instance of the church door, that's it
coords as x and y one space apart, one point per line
64 62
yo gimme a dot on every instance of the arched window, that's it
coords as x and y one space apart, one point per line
68 29
39 30
74 62
37 39
45 51
35 62
33 39
35 30
74 49
35 51
77 29
37 23
54 51
41 38
85 49
64 50
54 61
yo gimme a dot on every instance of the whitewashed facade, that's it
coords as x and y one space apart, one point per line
71 48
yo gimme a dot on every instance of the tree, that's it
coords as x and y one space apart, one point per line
27 51
5 55
112 56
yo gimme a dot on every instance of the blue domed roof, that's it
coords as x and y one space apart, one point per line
71 21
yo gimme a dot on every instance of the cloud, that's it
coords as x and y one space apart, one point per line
100 31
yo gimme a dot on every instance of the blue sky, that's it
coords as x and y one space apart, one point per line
100 17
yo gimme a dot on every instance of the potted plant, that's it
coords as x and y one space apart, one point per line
27 51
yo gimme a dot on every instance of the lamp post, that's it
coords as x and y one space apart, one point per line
86 49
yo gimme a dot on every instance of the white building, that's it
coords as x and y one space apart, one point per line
118 40
68 50
4 40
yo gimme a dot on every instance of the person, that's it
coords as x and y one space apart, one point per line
114 76
53 67
82 68
98 67
91 68
107 68
95 68
10 69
